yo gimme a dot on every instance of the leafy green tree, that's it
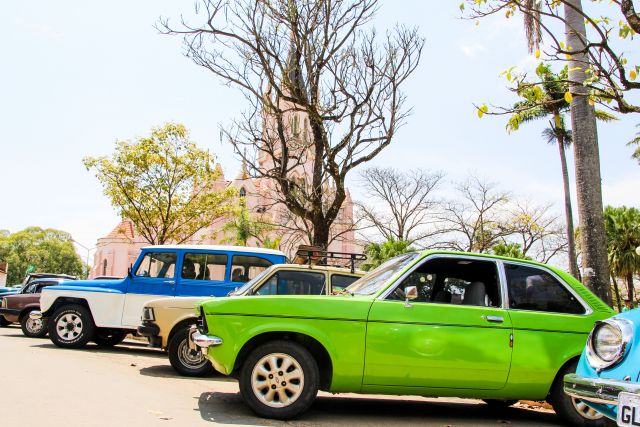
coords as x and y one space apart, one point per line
622 226
511 250
377 253
164 184
40 250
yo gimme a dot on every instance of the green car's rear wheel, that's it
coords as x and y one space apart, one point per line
573 411
279 379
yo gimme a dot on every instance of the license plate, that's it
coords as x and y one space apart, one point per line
628 409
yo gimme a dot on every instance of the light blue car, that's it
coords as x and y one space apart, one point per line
608 374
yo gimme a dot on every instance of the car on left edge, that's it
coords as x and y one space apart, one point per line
16 308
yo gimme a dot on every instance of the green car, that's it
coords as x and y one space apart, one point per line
428 324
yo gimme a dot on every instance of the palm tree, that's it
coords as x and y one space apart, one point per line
622 227
585 135
635 141
541 100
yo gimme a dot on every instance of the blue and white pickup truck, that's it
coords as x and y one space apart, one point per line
104 311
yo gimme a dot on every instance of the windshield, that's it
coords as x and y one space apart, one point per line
244 288
375 280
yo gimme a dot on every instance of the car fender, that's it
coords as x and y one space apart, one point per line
105 304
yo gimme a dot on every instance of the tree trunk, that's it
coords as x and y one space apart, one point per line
573 263
595 267
630 289
321 233
616 289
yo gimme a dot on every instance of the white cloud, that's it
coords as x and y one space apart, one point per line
625 191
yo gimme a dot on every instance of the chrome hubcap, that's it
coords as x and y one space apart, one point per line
190 358
69 326
277 380
585 411
34 325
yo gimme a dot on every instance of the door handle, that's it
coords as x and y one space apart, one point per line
494 319
171 282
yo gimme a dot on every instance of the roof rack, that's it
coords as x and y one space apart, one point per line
316 255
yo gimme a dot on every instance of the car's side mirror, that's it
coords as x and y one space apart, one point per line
410 293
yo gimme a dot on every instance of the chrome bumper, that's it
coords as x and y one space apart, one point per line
196 339
597 390
35 315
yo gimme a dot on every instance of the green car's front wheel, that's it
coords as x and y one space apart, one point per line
279 379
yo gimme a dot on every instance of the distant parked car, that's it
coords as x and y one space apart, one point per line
104 311
608 374
430 323
167 321
17 307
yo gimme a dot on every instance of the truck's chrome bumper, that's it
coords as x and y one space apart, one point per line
196 339
597 390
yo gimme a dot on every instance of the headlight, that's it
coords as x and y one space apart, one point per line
147 313
609 342
4 303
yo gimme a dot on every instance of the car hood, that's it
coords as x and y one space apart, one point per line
111 285
303 306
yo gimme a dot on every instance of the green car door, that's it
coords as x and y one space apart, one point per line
454 335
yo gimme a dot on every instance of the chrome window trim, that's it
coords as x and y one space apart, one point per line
587 308
429 257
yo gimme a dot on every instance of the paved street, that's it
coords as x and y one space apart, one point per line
133 385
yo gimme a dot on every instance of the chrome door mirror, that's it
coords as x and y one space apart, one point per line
410 293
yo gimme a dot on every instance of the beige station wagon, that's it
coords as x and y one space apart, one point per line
166 321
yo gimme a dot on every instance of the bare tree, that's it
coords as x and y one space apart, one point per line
476 221
324 91
400 205
539 234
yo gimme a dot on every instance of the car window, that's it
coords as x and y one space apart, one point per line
341 281
157 265
30 289
377 279
293 283
532 288
452 280
245 268
204 266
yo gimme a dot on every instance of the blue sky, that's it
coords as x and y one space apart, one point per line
78 75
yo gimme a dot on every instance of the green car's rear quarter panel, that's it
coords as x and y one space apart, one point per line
337 323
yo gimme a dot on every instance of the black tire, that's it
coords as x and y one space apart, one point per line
306 373
565 407
33 328
187 362
67 316
4 322
500 403
105 337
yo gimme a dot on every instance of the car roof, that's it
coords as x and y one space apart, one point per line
327 268
225 248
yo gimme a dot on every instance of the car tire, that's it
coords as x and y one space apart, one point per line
500 403
4 322
572 411
272 391
105 337
71 326
33 328
185 361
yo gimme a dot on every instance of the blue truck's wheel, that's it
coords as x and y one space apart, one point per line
71 326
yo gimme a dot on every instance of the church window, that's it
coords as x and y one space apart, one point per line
243 192
104 267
